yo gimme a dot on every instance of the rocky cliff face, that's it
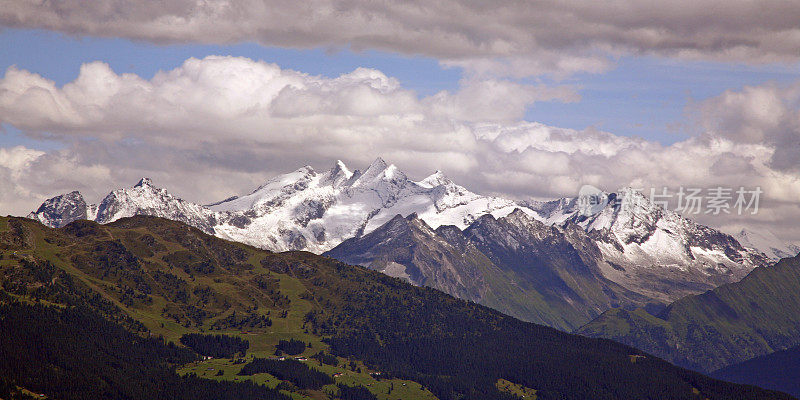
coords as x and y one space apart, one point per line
515 264
62 209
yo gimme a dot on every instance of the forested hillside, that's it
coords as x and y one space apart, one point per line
779 371
142 277
724 326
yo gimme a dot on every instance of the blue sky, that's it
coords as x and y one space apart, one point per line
638 96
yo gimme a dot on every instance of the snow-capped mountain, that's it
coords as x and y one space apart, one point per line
313 211
767 243
142 199
63 209
643 247
301 210
654 251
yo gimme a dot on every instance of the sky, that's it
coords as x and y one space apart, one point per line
520 99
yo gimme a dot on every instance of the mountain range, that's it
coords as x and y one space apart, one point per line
768 243
91 311
301 210
541 261
515 264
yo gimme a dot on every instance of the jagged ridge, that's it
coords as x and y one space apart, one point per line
645 249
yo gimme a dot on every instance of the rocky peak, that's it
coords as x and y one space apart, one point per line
438 178
144 182
519 215
483 227
61 210
407 223
374 172
339 174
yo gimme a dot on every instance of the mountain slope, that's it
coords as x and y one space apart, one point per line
409 249
777 371
654 251
627 252
514 264
74 354
160 276
727 325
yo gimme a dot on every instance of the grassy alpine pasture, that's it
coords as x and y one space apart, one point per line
384 389
234 289
147 281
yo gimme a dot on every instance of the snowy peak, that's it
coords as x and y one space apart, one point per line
144 182
436 179
376 172
65 200
766 242
339 174
301 174
621 212
146 199
61 210
639 240
271 193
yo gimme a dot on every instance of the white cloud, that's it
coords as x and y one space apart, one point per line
18 158
27 176
767 114
221 125
494 100
514 38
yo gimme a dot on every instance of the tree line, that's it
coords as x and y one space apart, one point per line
74 354
217 346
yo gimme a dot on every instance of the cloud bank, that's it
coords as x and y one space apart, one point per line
767 114
507 37
219 126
